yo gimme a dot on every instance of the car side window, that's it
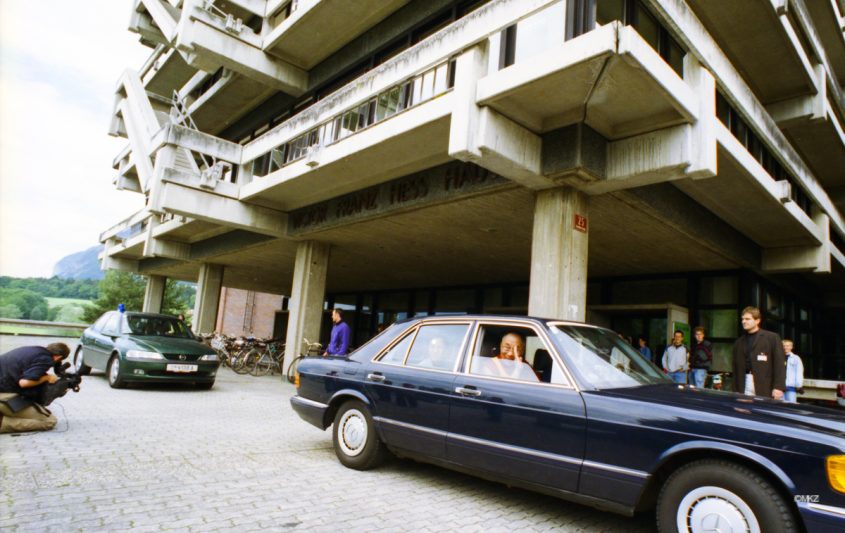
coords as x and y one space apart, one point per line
396 355
516 353
438 346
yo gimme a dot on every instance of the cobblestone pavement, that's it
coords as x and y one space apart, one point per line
237 458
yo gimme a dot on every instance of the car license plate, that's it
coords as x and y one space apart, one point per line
182 368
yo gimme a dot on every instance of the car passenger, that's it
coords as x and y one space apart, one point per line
509 363
438 355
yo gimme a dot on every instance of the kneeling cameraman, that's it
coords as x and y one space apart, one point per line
23 378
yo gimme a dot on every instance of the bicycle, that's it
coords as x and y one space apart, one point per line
311 348
266 357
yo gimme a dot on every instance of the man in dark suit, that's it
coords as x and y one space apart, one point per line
759 361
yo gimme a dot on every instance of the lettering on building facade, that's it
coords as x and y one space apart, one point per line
441 184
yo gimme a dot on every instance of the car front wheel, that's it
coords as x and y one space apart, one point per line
356 443
115 379
79 364
715 495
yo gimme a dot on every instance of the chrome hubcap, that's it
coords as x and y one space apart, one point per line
352 432
715 510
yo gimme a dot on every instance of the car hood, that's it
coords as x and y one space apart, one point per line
799 416
169 345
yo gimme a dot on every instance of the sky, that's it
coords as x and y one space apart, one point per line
59 65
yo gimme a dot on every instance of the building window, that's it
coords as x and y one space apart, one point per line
636 14
580 17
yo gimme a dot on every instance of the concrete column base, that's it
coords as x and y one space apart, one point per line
308 293
558 287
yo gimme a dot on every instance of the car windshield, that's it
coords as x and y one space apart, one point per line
157 326
603 359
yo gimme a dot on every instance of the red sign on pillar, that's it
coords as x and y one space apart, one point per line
581 223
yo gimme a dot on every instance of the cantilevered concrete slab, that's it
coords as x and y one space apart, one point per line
747 198
758 38
318 28
609 78
407 142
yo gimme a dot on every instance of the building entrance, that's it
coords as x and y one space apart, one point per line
655 322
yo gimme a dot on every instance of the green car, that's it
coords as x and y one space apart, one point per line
145 347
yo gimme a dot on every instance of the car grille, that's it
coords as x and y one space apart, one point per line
177 357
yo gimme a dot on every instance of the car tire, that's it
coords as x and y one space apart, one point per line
700 494
204 386
116 381
79 364
354 436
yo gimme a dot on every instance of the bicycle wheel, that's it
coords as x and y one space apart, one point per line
262 365
292 369
239 363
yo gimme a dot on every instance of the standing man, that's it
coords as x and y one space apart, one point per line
702 358
339 341
676 358
794 374
759 361
23 375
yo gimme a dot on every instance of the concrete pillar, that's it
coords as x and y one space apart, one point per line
208 296
307 295
558 286
154 294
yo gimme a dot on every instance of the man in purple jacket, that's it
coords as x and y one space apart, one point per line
339 342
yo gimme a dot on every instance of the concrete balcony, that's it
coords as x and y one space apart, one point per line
615 83
760 39
165 71
315 29
219 100
209 38
829 20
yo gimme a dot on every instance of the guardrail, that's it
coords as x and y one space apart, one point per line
33 327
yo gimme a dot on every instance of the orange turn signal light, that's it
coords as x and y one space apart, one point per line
836 472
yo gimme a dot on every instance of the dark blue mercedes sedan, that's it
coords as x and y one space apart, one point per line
573 411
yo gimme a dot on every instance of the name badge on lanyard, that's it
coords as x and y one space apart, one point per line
762 357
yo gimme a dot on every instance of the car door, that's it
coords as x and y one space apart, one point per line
92 342
410 385
103 341
527 423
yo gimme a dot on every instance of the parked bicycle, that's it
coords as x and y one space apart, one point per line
311 349
266 357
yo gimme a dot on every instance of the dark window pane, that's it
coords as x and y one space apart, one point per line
610 10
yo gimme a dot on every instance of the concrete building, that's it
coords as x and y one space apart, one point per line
635 163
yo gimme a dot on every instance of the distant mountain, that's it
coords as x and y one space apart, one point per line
81 265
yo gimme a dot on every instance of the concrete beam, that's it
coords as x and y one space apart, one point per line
180 198
558 286
672 207
207 48
197 141
154 294
307 295
802 258
794 111
209 283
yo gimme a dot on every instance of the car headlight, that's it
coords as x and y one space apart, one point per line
140 355
836 472
209 357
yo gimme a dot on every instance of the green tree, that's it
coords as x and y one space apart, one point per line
127 288
117 287
25 300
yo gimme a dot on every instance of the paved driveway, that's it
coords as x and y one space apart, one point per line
237 458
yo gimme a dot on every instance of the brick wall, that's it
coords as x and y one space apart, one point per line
247 313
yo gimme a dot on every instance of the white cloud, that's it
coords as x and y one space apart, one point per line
59 62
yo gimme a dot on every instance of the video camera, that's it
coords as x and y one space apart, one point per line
67 381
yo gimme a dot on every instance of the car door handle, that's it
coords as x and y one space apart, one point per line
463 391
376 377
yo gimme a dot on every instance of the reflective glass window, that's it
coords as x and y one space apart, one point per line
438 346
